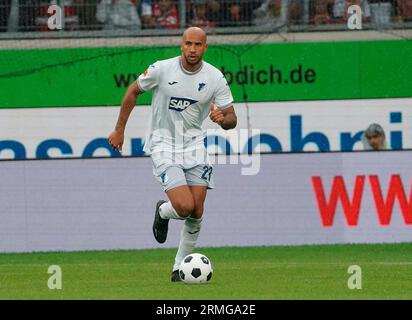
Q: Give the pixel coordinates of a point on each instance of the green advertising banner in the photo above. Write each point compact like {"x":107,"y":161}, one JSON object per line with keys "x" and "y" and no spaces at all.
{"x":263,"y":72}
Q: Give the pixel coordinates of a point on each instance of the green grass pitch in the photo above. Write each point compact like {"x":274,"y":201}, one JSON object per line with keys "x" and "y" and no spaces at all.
{"x":285,"y":272}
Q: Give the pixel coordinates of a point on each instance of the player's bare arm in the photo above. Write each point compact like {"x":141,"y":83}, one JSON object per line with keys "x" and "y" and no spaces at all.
{"x":116,"y":138}
{"x":226,"y":118}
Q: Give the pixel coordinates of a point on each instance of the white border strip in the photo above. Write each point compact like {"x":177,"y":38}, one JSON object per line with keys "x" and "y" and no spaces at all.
{"x":335,"y":36}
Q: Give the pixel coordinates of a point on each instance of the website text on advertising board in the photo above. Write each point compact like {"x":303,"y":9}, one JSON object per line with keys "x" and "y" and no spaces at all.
{"x":384,"y":201}
{"x":246,"y":75}
{"x":298,"y":142}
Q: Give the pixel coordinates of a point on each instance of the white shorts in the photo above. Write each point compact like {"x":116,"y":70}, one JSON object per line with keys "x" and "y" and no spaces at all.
{"x":175,"y":169}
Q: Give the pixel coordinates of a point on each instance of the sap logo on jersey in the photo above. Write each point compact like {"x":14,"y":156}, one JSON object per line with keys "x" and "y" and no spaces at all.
{"x":180,"y":104}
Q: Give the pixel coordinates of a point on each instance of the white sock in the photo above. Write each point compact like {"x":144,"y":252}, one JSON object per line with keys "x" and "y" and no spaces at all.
{"x":188,"y":238}
{"x":167,"y":211}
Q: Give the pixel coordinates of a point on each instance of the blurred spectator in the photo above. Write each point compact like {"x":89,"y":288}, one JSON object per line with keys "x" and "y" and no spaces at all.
{"x":118,"y":14}
{"x":165,"y":15}
{"x":215,"y":13}
{"x":340,"y":9}
{"x":295,"y":12}
{"x":27,"y":14}
{"x":146,"y":14}
{"x":71,"y":17}
{"x":405,"y":10}
{"x":233,"y":13}
{"x":4,"y":14}
{"x":321,"y":12}
{"x":247,"y":7}
{"x":268,"y":14}
{"x":381,"y":12}
{"x":86,"y":10}
{"x":199,"y":15}
{"x":374,"y":138}
{"x":239,"y":12}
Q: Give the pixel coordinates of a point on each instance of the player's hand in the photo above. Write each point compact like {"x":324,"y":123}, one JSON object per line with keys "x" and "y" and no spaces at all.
{"x":216,"y":115}
{"x":116,"y":139}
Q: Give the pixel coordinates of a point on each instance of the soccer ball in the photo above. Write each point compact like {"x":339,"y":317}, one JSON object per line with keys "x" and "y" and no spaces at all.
{"x":195,"y":268}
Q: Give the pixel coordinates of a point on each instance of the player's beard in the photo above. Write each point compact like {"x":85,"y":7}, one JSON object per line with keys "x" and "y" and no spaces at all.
{"x":191,"y":62}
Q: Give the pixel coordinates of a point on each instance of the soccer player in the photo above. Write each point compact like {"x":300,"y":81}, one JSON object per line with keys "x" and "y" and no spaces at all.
{"x":186,"y":89}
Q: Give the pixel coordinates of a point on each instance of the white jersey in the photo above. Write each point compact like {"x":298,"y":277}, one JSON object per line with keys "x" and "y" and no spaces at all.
{"x":181,"y":102}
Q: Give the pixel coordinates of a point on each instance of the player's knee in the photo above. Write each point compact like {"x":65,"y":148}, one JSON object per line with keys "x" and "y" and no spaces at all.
{"x":197,"y":212}
{"x":184,"y":208}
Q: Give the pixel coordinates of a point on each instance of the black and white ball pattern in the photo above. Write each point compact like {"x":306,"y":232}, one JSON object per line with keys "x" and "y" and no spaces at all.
{"x":196,"y":268}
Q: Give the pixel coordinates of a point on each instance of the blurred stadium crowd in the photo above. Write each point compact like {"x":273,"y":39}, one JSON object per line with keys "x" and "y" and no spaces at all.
{"x":32,"y":15}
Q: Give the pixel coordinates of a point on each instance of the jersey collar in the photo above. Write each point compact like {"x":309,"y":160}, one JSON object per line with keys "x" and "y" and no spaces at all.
{"x":188,"y":72}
